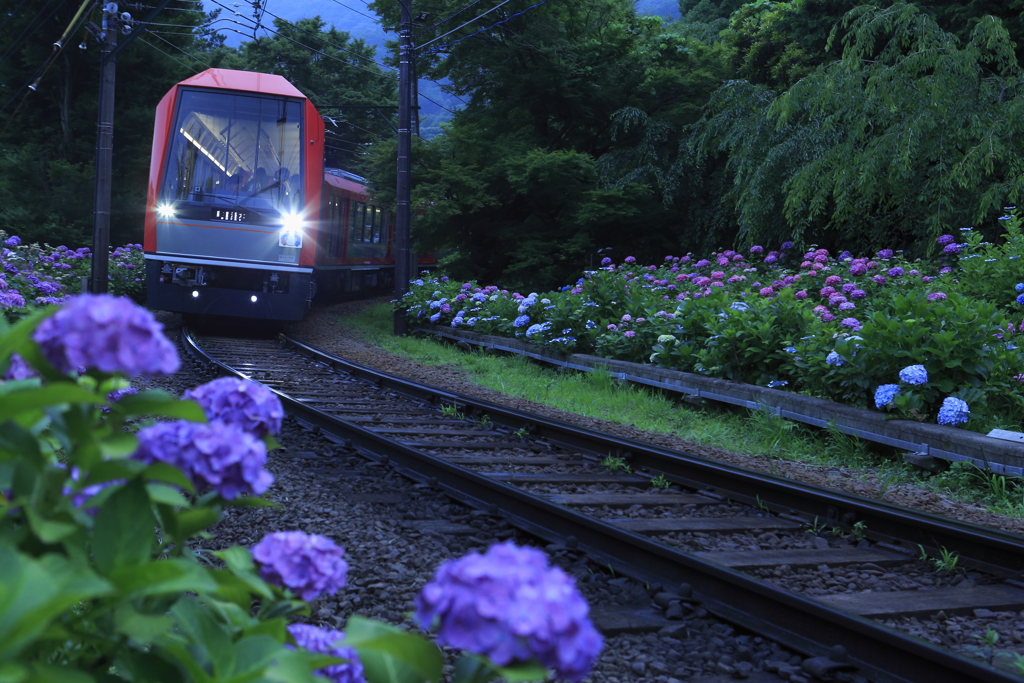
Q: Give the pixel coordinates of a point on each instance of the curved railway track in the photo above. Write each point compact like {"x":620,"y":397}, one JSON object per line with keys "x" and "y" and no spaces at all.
{"x":547,"y":478}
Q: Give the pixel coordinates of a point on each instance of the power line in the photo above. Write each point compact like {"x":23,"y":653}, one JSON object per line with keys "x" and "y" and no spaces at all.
{"x":497,"y":23}
{"x":356,"y":54}
{"x":178,"y":49}
{"x":23,"y":35}
{"x":187,"y":66}
{"x":356,"y":11}
{"x":451,"y":16}
{"x":463,"y":25}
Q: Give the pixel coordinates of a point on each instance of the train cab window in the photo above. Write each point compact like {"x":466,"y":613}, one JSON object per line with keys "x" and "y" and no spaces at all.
{"x":240,"y":154}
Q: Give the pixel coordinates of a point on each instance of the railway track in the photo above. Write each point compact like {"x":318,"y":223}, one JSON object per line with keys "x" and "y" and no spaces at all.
{"x":711,"y":534}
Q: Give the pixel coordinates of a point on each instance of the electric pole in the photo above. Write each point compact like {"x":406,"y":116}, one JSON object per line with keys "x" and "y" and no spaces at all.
{"x":402,"y":210}
{"x":104,"y":152}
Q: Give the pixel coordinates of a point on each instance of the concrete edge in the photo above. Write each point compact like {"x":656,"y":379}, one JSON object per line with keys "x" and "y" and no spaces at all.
{"x":947,"y":443}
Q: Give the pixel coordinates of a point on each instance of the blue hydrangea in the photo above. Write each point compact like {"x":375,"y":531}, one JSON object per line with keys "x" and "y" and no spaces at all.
{"x":834,"y":358}
{"x":1019,"y":287}
{"x":418,"y":283}
{"x":521,"y":321}
{"x":790,"y":349}
{"x":471,"y":322}
{"x":107,"y":333}
{"x":537,"y":329}
{"x":777,"y":383}
{"x":435,"y":304}
{"x":509,"y":605}
{"x":217,"y":455}
{"x":241,"y":402}
{"x":953,"y":412}
{"x":885,"y":394}
{"x":739,"y":306}
{"x":434,"y":318}
{"x":914,"y":374}
{"x":308,"y":565}
{"x":1020,"y":299}
{"x":326,"y":641}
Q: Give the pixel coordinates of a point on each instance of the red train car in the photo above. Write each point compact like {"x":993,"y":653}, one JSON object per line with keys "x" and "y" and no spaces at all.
{"x":242,"y":218}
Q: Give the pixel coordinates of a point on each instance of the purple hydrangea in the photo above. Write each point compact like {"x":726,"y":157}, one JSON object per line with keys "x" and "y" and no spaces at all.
{"x":241,"y":402}
{"x":858,"y":294}
{"x":86,"y":493}
{"x":885,"y":253}
{"x":937,"y":296}
{"x":12,"y":241}
{"x":879,"y":280}
{"x":108,"y":333}
{"x":914,"y":374}
{"x":953,"y":248}
{"x":953,"y":412}
{"x":606,"y":261}
{"x":308,"y":565}
{"x":946,"y":239}
{"x":11,"y":299}
{"x":756,"y":249}
{"x":216,"y":456}
{"x":786,"y":246}
{"x":19,"y":369}
{"x":630,"y":259}
{"x":851,"y":323}
{"x":510,"y":606}
{"x":325,"y":641}
{"x":885,"y":394}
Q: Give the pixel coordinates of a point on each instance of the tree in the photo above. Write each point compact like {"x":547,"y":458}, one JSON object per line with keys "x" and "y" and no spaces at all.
{"x":330,"y":69}
{"x":909,"y":135}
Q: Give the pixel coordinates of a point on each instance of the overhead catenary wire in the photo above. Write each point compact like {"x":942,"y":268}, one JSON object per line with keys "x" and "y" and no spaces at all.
{"x":26,"y":33}
{"x":479,"y":16}
{"x":497,"y":23}
{"x":187,"y":66}
{"x":176,"y":48}
{"x":356,"y":11}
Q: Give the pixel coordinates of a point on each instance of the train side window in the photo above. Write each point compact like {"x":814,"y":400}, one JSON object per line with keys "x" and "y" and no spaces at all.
{"x":377,"y":227}
{"x":343,"y":207}
{"x":355,"y":224}
{"x":368,"y":225}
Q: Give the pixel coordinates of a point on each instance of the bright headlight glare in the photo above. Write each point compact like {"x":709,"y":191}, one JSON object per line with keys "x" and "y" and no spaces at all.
{"x":165,"y":210}
{"x":292,"y":222}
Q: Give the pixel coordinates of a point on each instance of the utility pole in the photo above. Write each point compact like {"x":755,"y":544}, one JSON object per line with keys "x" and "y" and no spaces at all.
{"x":403,"y":214}
{"x":104,"y":152}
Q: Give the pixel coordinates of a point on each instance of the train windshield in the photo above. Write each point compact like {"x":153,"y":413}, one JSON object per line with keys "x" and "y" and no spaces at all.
{"x":237,"y":154}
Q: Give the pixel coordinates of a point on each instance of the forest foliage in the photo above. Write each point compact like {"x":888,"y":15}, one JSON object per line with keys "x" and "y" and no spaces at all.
{"x":588,"y":130}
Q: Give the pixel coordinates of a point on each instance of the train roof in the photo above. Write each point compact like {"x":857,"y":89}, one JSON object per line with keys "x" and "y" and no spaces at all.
{"x":344,"y":180}
{"x":249,"y":81}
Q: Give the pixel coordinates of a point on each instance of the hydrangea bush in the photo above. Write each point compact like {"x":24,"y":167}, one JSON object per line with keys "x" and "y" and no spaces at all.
{"x":99,"y":504}
{"x":39,"y":275}
{"x":837,"y":327}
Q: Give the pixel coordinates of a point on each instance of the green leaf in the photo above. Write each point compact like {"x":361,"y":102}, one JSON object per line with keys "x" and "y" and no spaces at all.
{"x":158,"y":403}
{"x":391,"y":654}
{"x":49,"y":531}
{"x":251,"y":502}
{"x":21,"y":402}
{"x":123,"y":535}
{"x":119,"y":446}
{"x":142,"y":628}
{"x":192,"y":521}
{"x":524,"y":671}
{"x":170,"y":474}
{"x":162,"y":577}
{"x":169,"y":495}
{"x":33,"y":592}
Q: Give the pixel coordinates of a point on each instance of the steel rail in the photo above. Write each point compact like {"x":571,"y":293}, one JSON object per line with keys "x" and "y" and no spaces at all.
{"x":995,"y":552}
{"x":802,"y":624}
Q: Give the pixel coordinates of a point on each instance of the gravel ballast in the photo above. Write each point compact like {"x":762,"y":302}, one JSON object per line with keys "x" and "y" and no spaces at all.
{"x":396,"y":533}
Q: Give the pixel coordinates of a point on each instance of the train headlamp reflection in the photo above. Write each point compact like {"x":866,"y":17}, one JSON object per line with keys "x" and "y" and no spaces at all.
{"x":165,"y":210}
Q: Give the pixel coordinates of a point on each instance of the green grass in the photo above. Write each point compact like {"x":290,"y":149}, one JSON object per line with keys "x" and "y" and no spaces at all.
{"x":598,"y":394}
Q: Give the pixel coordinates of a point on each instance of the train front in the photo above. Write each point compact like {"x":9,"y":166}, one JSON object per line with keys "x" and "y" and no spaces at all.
{"x":234,"y":196}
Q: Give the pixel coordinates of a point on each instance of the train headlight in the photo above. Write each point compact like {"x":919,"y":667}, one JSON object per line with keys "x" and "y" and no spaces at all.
{"x":291,"y":230}
{"x":165,"y":210}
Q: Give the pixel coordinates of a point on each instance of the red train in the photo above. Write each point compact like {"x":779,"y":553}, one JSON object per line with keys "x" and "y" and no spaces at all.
{"x":242,"y":218}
